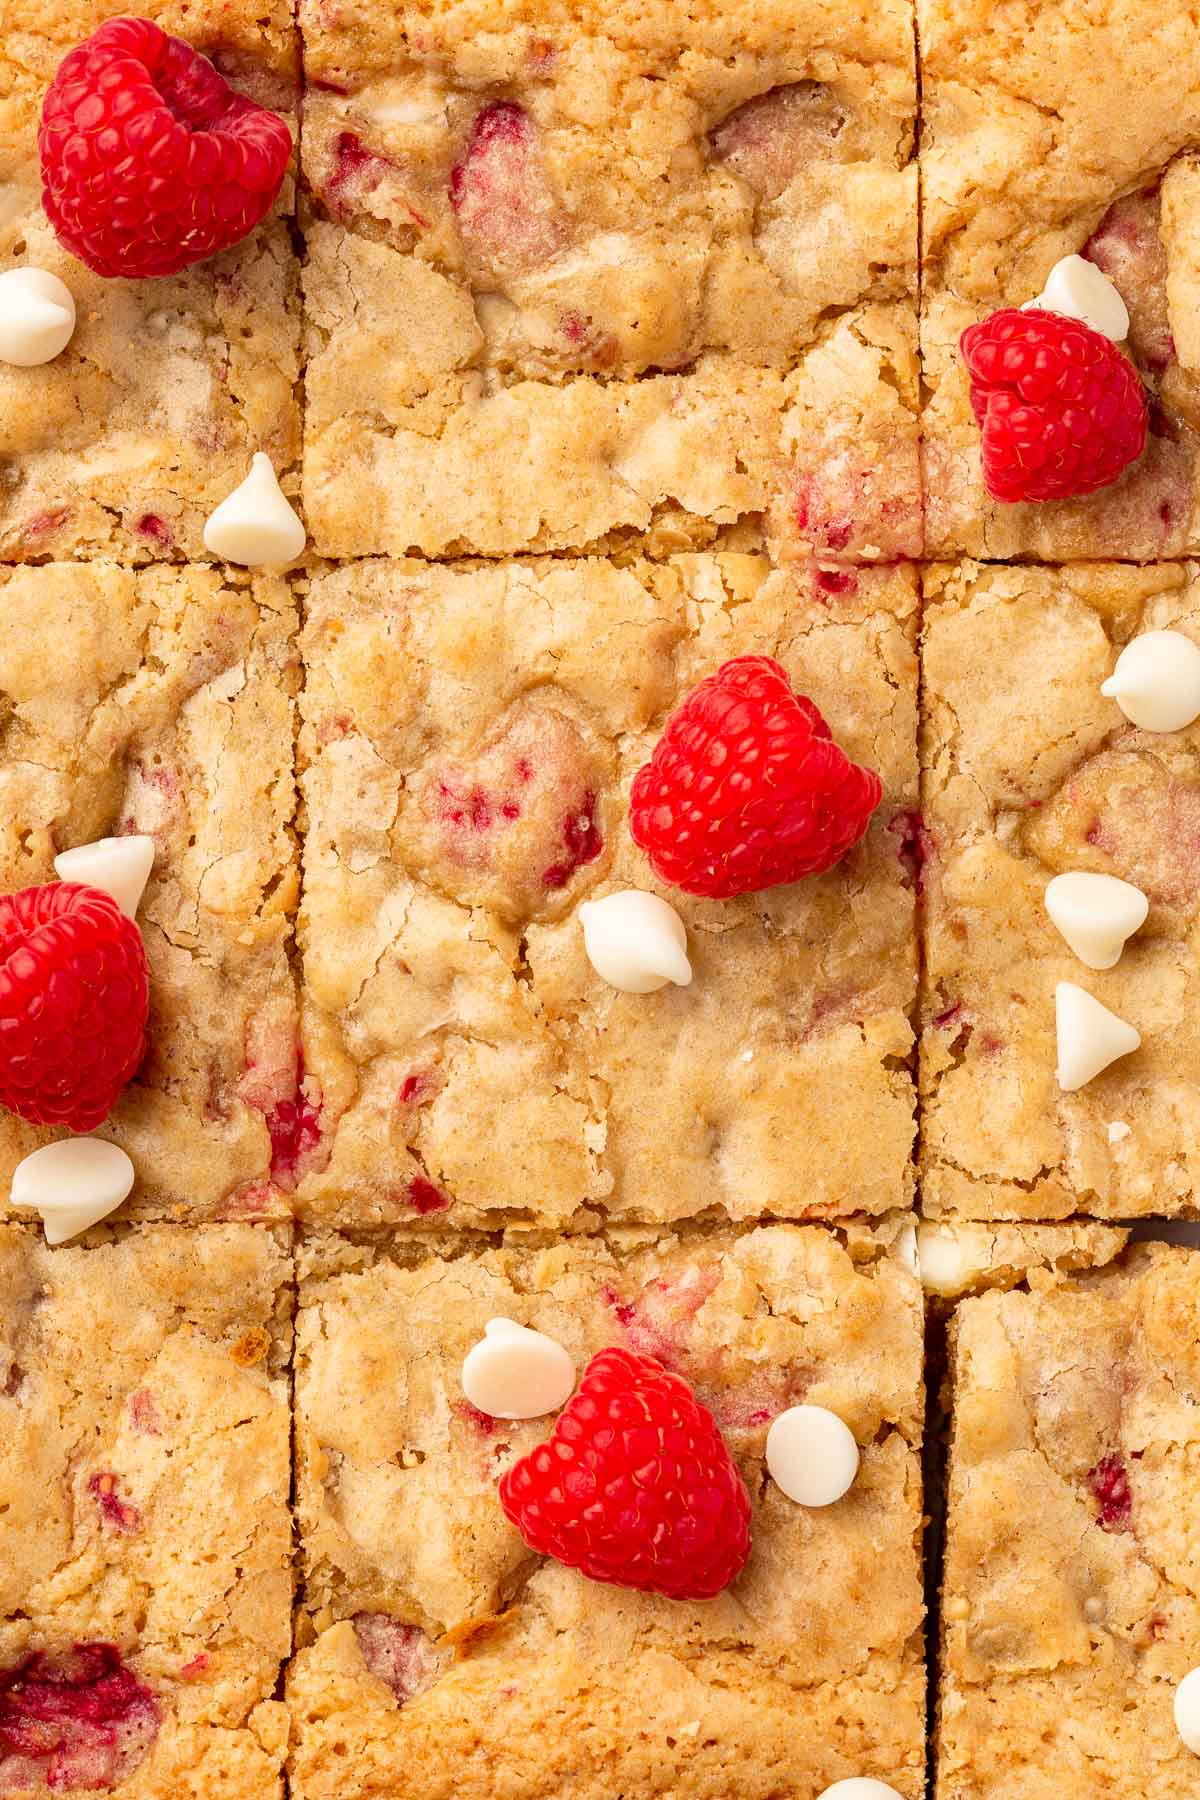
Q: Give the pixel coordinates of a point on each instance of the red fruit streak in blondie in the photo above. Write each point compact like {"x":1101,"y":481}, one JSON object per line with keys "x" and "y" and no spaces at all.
{"x":1109,"y":1482}
{"x":483,"y":1423}
{"x":151,"y":526}
{"x":583,"y":844}
{"x":119,"y":1513}
{"x":295,"y":1129}
{"x":42,"y":524}
{"x":354,"y":161}
{"x":82,"y":1717}
{"x":400,"y":1655}
{"x":144,"y":1413}
{"x":424,"y":1198}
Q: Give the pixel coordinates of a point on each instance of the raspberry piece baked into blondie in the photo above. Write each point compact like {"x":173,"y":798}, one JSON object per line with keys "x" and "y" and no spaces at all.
{"x":438,"y":1654}
{"x":1023,"y":164}
{"x":1031,"y":772}
{"x":124,"y":444}
{"x":468,"y":742}
{"x":572,"y":270}
{"x":1069,"y":1611}
{"x":145,"y":1541}
{"x":159,"y":701}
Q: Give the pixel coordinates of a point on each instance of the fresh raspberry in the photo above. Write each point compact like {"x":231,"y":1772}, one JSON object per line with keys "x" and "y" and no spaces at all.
{"x":746,"y":788}
{"x":1062,"y":411}
{"x":150,"y":161}
{"x":73,"y":1004}
{"x":634,"y":1485}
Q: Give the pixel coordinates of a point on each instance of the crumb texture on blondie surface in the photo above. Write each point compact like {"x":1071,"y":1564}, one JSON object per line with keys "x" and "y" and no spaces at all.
{"x":145,"y":1539}
{"x":468,"y":740}
{"x":571,"y":266}
{"x":161,"y":701}
{"x":124,"y":444}
{"x":1069,"y":1610}
{"x":1030,"y":771}
{"x":965,"y":1256}
{"x":1050,"y":128}
{"x":439,"y":1652}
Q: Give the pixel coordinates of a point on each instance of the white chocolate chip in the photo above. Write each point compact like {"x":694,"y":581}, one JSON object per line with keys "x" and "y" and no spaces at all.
{"x":906,"y":1249}
{"x":811,"y":1455}
{"x":255,"y":525}
{"x":515,"y":1373}
{"x":1096,"y":913}
{"x":1187,"y":1710}
{"x":1089,"y":1036}
{"x":73,"y":1184}
{"x":860,"y":1787}
{"x":1118,"y":1129}
{"x":37,"y":317}
{"x":944,"y":1257}
{"x":119,"y":865}
{"x":1156,"y":681}
{"x":1077,"y":289}
{"x":635,"y":941}
{"x":408,"y":112}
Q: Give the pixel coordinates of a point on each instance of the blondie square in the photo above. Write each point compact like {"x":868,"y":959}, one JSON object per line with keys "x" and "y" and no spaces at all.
{"x":439,"y":1656}
{"x":1069,"y":1610}
{"x":1050,"y":128}
{"x":160,"y":701}
{"x":578,"y":268}
{"x":1029,"y":771}
{"x":124,"y":444}
{"x":468,"y":740}
{"x":145,"y":1540}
